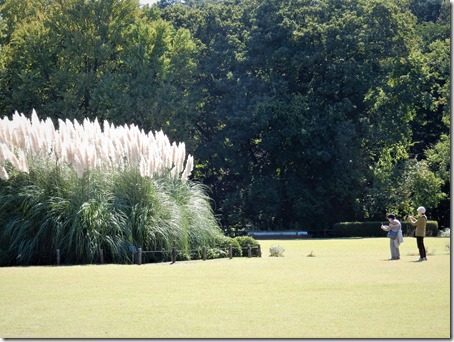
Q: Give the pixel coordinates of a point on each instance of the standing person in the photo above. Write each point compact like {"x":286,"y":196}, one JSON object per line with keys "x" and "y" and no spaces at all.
{"x":395,"y":226}
{"x":420,"y":232}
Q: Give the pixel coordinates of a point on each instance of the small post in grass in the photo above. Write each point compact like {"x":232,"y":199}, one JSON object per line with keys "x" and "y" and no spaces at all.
{"x":230,"y":251}
{"x":58,"y":257}
{"x":204,"y":253}
{"x":259,"y":251}
{"x":249,"y":250}
{"x":101,"y":256}
{"x":140,"y":256}
{"x":174,"y":255}
{"x":133,"y":251}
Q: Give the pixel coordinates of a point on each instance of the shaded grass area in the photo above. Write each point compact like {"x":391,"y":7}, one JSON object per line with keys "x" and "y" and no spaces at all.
{"x":347,"y":289}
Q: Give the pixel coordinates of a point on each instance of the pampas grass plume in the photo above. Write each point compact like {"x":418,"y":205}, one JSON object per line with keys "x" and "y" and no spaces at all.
{"x":87,"y":146}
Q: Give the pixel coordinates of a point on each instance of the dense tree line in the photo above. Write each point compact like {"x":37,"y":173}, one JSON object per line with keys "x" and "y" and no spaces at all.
{"x":300,"y":113}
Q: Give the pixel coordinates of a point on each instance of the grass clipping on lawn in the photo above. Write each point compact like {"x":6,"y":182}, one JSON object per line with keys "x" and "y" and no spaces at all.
{"x":347,"y":290}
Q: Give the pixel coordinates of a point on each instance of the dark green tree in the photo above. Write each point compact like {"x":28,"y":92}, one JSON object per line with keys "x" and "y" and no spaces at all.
{"x":300,"y":113}
{"x":103,"y":59}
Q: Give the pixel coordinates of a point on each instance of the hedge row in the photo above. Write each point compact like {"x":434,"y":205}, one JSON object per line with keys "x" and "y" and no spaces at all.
{"x":372,"y":229}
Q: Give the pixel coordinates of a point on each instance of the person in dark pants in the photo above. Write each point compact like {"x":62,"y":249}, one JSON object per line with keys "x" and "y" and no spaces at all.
{"x":420,"y":232}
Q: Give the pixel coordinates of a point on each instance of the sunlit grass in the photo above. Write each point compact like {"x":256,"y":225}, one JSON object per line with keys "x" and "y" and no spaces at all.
{"x":347,"y":289}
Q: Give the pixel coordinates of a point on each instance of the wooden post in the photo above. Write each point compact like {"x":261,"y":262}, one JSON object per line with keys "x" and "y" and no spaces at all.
{"x":249,"y":250}
{"x":204,"y":252}
{"x":58,"y":257}
{"x":174,"y":255}
{"x":140,"y":256}
{"x":101,"y":255}
{"x":133,"y":251}
{"x":260,"y":251}
{"x":230,"y":251}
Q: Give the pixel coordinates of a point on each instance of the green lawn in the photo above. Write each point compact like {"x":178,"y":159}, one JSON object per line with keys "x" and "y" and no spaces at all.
{"x":348,"y":289}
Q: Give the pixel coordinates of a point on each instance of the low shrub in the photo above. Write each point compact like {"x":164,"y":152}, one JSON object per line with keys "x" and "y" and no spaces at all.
{"x":244,"y":241}
{"x":216,"y":253}
{"x":363,"y":229}
{"x":224,"y":242}
{"x":277,"y":251}
{"x":445,"y":233}
{"x":431,"y":228}
{"x":220,"y":248}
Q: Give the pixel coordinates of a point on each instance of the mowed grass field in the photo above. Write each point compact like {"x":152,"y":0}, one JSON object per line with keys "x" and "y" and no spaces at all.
{"x":346,"y":289}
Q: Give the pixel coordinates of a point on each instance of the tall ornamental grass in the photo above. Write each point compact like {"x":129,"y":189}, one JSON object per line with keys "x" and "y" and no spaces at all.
{"x":82,"y":189}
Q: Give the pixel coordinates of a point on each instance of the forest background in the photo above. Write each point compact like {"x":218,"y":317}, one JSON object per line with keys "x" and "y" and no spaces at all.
{"x":299,"y":113}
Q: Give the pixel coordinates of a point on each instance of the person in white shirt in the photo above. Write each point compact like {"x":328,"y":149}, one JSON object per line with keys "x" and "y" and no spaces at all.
{"x":395,"y":226}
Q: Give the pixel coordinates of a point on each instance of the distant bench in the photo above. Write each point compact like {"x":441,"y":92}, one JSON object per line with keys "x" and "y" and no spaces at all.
{"x":280,"y":235}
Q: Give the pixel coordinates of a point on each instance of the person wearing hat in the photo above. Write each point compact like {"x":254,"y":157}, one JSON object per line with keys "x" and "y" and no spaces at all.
{"x":420,"y":232}
{"x":394,"y":225}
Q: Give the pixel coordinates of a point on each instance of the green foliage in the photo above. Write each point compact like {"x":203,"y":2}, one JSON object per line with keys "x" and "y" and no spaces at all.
{"x":403,"y":187}
{"x":245,"y":242}
{"x":99,"y":58}
{"x":299,"y":112}
{"x":439,"y":158}
{"x":307,"y":109}
{"x":216,"y":253}
{"x":51,"y":208}
{"x":223,"y":243}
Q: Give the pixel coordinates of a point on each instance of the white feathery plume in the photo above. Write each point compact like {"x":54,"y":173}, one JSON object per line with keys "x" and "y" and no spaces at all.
{"x":50,"y":130}
{"x":64,"y":155}
{"x":3,"y":173}
{"x":188,"y":169}
{"x":78,"y":166}
{"x":112,"y":153}
{"x":143,"y":167}
{"x":69,"y":128}
{"x":3,"y":130}
{"x":173,"y":172}
{"x":181,"y":155}
{"x":93,"y":157}
{"x":13,"y":160}
{"x":20,"y":129}
{"x":173,"y":152}
{"x":33,"y":139}
{"x":134,"y":149}
{"x":57,"y":149}
{"x":34,"y":119}
{"x":99,"y":147}
{"x":77,"y":126}
{"x":70,"y":156}
{"x":23,"y":164}
{"x":17,"y":138}
{"x":107,"y":129}
{"x":152,"y":160}
{"x":87,"y":146}
{"x":2,"y":156}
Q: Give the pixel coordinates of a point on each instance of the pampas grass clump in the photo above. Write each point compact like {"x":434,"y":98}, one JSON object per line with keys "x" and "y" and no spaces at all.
{"x":277,"y":251}
{"x":82,"y":189}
